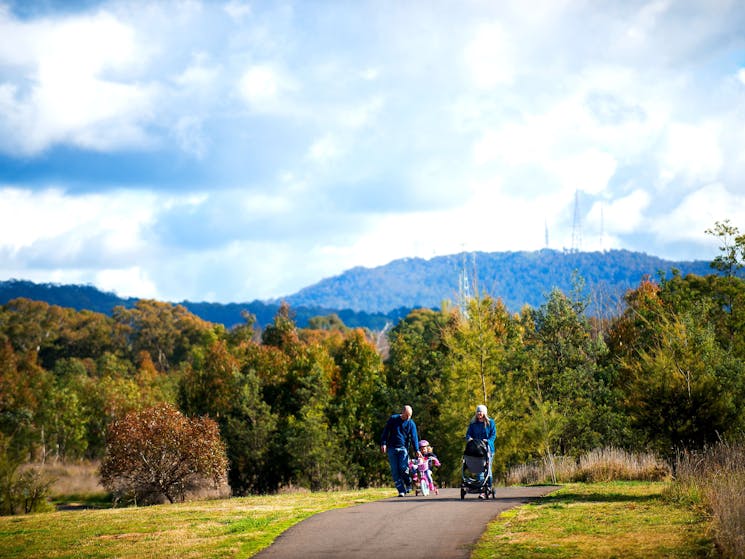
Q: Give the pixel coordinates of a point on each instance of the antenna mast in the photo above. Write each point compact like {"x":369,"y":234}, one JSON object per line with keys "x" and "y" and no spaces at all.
{"x":464,"y":289}
{"x":576,"y":225}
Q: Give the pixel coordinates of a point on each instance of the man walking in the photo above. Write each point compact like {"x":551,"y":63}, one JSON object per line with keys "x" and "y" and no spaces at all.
{"x":398,"y":434}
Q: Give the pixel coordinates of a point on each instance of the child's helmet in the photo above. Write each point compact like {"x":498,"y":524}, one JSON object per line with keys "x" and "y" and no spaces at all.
{"x":423,"y":443}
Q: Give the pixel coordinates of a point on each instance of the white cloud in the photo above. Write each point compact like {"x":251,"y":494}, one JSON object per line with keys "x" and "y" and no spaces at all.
{"x":626,"y":215}
{"x":324,"y":150}
{"x":588,"y":171}
{"x":691,"y":152}
{"x":199,"y":74}
{"x":237,"y":9}
{"x":489,"y":56}
{"x":698,"y":211}
{"x":263,"y":86}
{"x":73,"y":94}
{"x":127,"y":282}
{"x":65,"y":226}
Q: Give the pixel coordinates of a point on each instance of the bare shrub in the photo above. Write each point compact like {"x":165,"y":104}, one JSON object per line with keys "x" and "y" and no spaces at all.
{"x":158,"y":453}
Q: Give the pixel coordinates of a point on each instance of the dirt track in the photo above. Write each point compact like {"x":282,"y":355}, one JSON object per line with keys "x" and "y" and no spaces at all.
{"x":432,"y":527}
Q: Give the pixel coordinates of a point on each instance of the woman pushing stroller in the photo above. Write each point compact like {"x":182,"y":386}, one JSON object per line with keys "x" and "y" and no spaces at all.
{"x":483,"y":428}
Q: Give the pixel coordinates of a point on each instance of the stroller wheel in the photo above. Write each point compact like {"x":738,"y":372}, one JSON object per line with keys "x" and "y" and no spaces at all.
{"x":462,"y":493}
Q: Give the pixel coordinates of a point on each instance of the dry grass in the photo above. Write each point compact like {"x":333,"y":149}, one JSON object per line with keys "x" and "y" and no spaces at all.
{"x":80,"y":478}
{"x":715,"y":479}
{"x":605,"y":464}
{"x":78,"y":484}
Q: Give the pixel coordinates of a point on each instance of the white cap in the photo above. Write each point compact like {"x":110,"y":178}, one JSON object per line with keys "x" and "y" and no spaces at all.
{"x":481,"y":408}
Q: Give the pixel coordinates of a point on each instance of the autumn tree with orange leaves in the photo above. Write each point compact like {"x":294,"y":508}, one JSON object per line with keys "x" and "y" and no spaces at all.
{"x":159,"y":452}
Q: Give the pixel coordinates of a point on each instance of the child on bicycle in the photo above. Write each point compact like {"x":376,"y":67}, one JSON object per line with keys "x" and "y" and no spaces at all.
{"x":426,"y":449}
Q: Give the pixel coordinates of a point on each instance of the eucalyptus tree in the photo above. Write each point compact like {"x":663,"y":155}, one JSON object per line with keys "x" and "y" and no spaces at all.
{"x":482,"y":366}
{"x":357,"y":388}
{"x":415,"y":370}
{"x":568,"y":379}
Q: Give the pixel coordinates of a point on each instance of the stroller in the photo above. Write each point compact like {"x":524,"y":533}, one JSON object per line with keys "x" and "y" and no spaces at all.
{"x":475,"y":476}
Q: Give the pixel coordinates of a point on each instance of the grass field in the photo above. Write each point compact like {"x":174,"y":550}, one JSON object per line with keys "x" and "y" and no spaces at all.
{"x":614,"y":519}
{"x":600,"y":520}
{"x":225,"y":528}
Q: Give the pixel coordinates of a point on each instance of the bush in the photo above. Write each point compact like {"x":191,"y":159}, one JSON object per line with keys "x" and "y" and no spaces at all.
{"x":715,"y":479}
{"x":604,"y":464}
{"x":22,"y":491}
{"x":159,"y":453}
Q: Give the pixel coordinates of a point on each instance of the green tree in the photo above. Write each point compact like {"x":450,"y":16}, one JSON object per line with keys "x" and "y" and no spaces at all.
{"x":568,"y":372}
{"x":357,"y":386}
{"x":62,"y":424}
{"x":223,"y":383}
{"x":309,"y":446}
{"x":482,"y":366}
{"x":732,"y":257}
{"x":682,"y":388}
{"x":165,"y":331}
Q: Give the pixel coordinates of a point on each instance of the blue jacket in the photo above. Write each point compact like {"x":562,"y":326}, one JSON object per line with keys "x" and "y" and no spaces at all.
{"x":477,"y":430}
{"x":397,"y":433}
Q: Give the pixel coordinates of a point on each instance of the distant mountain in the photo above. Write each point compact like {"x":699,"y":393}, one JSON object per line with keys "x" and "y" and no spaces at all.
{"x":518,"y":278}
{"x":374,"y":297}
{"x":87,"y":297}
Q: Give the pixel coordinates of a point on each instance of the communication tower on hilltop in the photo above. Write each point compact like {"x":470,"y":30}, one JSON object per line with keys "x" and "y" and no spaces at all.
{"x":464,"y":289}
{"x":576,"y":225}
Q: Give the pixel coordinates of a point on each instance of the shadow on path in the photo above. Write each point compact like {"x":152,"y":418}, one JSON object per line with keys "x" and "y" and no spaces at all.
{"x":436,"y":526}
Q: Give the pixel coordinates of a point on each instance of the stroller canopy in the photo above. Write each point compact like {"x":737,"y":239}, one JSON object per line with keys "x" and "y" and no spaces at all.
{"x":476,"y":448}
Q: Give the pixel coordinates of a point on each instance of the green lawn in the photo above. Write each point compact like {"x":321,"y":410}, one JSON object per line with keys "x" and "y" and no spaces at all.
{"x":228,"y":528}
{"x":620,"y":519}
{"x":615,"y":519}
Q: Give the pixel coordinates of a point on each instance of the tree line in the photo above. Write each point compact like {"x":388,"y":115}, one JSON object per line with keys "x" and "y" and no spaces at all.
{"x":305,"y":406}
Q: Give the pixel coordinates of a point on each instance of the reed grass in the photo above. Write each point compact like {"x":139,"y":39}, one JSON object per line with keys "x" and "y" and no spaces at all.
{"x":603,"y":464}
{"x":714,"y":479}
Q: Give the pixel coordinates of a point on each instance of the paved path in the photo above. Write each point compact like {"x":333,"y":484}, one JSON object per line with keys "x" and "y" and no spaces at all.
{"x":432,"y":527}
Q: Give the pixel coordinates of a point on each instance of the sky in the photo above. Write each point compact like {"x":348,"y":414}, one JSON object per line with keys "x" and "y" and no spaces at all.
{"x":229,"y":151}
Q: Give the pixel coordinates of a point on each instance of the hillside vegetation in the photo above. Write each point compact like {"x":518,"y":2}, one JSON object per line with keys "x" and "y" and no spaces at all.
{"x":517,"y":278}
{"x":375,"y":297}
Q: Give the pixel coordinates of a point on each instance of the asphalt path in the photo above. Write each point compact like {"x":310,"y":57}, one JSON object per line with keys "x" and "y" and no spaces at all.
{"x":434,"y":527}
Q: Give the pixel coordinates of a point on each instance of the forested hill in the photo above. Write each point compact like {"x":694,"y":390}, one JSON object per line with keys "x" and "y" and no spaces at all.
{"x":372,"y":297}
{"x":87,"y":297}
{"x":518,"y":278}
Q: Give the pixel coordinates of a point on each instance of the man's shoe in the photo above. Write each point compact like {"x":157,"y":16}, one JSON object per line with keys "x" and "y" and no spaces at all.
{"x":402,"y":494}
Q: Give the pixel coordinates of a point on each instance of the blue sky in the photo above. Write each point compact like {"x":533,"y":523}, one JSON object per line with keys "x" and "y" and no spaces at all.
{"x":232,"y":151}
